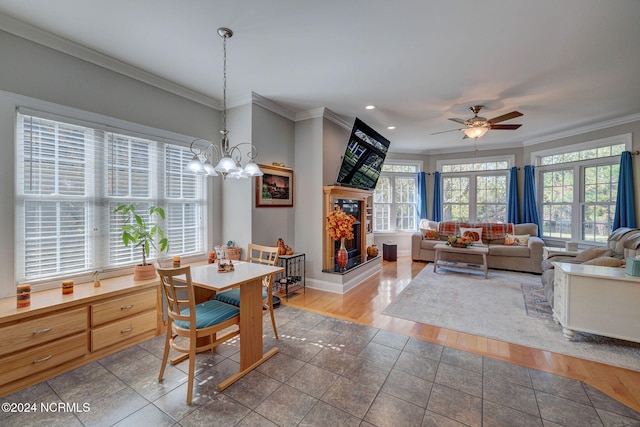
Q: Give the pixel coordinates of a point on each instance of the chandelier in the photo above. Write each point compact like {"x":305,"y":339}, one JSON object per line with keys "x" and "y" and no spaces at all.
{"x":228,"y":159}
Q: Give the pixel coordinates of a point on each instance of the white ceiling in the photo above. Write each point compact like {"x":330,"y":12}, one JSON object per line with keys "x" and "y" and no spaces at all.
{"x":566,"y":65}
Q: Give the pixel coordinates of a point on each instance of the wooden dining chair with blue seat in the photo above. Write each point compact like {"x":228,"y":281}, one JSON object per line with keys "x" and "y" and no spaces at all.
{"x":199,"y":323}
{"x":267,"y":255}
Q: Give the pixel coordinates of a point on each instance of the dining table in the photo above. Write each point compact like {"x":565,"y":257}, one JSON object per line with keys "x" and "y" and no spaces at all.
{"x":248,"y":277}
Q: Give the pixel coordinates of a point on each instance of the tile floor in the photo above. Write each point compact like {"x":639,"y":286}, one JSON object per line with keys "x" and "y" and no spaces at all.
{"x":328,"y":372}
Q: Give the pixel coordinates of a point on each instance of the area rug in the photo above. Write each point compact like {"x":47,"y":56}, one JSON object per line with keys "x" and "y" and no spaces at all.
{"x":535,"y":303}
{"x":496,"y":308}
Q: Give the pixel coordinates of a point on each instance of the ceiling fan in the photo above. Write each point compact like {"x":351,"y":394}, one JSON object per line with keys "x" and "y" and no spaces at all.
{"x":477,"y":126}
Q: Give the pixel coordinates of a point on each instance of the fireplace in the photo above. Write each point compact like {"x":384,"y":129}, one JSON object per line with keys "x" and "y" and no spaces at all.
{"x":354,"y":246}
{"x":352,"y":201}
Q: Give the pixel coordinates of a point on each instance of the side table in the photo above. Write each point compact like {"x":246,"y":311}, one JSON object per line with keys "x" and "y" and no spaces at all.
{"x":389,"y":251}
{"x":294,"y":276}
{"x":598,"y":300}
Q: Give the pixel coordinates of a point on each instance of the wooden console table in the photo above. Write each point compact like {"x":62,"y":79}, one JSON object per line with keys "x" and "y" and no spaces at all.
{"x":57,"y":333}
{"x":597,"y":300}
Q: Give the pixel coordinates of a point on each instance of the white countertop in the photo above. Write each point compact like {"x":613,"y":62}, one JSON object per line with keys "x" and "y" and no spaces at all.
{"x":609,"y":273}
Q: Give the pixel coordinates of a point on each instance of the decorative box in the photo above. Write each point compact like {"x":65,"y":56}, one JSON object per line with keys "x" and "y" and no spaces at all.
{"x":571,"y":246}
{"x":633,"y":267}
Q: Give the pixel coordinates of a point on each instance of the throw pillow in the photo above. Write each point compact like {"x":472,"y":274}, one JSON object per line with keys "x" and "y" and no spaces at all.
{"x":474,"y":234}
{"x":516,"y":239}
{"x":431,"y":235}
{"x":593,"y":252}
{"x":605,"y":261}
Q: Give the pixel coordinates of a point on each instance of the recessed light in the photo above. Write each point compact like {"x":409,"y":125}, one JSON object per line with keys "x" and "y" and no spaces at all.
{"x":370,"y":107}
{"x":391,"y":127}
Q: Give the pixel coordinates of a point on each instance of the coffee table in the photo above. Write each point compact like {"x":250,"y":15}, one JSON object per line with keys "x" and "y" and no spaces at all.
{"x":476,"y":250}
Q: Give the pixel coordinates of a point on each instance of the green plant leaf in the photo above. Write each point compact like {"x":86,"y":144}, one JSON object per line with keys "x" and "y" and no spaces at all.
{"x":164,"y":244}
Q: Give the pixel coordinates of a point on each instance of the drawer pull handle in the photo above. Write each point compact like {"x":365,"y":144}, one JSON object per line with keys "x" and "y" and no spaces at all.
{"x":41,"y":331}
{"x":126,"y":307}
{"x":44,"y":359}
{"x":126,"y":331}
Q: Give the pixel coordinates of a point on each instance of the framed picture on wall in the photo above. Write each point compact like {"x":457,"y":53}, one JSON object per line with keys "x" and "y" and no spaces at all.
{"x":275,"y":187}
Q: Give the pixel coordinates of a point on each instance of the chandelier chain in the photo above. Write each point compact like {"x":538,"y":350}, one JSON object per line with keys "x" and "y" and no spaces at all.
{"x":224,"y":83}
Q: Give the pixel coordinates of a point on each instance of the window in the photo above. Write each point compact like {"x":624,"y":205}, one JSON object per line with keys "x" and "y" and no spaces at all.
{"x":475,"y":190}
{"x":578,"y":188}
{"x":395,"y":198}
{"x":582,"y":194}
{"x":71,"y":178}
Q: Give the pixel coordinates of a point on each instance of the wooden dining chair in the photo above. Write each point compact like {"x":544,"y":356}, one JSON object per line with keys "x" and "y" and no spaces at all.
{"x":199,"y":323}
{"x":267,"y":255}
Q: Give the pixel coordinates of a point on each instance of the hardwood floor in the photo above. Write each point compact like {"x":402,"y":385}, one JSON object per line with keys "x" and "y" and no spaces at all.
{"x":365,"y":304}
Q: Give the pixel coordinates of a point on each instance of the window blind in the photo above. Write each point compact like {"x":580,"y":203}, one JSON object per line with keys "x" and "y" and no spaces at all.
{"x":70,"y":178}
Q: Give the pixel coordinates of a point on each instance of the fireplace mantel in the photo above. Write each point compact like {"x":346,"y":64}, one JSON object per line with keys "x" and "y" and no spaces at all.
{"x":333,"y":193}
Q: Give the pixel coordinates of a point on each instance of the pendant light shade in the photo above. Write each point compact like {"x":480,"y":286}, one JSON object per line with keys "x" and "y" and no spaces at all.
{"x":226,"y":165}
{"x":252,"y":169}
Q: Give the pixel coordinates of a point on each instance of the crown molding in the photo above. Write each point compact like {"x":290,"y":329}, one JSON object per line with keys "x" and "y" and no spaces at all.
{"x":310,"y":114}
{"x":477,"y":146}
{"x":272,"y":106}
{"x":324,"y":113}
{"x":61,"y":44}
{"x":583,"y":129}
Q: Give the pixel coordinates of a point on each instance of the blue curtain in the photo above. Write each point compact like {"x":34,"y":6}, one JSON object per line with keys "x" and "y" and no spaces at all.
{"x":422,"y":195}
{"x":625,"y":215}
{"x":513,"y":202}
{"x":436,"y":209}
{"x":529,"y":205}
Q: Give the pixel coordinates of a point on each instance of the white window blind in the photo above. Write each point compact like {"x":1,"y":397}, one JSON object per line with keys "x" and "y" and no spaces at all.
{"x":70,"y":178}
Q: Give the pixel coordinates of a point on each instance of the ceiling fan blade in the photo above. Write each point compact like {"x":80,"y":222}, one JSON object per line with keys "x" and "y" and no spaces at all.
{"x":505,"y":127}
{"x":463,"y":122}
{"x":508,"y":116}
{"x":444,"y":131}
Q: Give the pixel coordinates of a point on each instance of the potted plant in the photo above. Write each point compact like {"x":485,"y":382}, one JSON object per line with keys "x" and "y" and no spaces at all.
{"x":140,"y":233}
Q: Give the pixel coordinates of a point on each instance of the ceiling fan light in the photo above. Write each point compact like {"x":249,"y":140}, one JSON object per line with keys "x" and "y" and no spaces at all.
{"x":476,"y":132}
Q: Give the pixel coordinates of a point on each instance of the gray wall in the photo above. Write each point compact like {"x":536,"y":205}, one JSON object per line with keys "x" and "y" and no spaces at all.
{"x":308,"y":193}
{"x":236,"y":193}
{"x":274,"y":135}
{"x":31,"y":70}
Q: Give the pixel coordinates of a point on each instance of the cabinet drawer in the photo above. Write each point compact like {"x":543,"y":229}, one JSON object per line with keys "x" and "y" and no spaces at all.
{"x":122,"y":330}
{"x":42,"y":329}
{"x":34,"y":360}
{"x":127,"y":305}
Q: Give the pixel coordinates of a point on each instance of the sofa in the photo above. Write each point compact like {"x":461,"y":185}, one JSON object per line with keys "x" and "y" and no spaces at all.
{"x":525,"y":257}
{"x":623,"y":243}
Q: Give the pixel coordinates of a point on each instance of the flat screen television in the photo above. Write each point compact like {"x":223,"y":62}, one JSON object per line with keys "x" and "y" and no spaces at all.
{"x":362,"y":161}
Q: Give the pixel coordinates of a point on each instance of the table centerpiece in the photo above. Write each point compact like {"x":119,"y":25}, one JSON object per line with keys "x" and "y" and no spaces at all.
{"x":457,"y":241}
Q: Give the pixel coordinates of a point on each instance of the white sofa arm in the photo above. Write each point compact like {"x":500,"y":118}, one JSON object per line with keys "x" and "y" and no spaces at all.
{"x":416,"y":239}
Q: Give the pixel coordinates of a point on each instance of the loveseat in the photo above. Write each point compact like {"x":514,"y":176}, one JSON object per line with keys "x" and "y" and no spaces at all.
{"x":523,"y":254}
{"x":623,"y":243}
